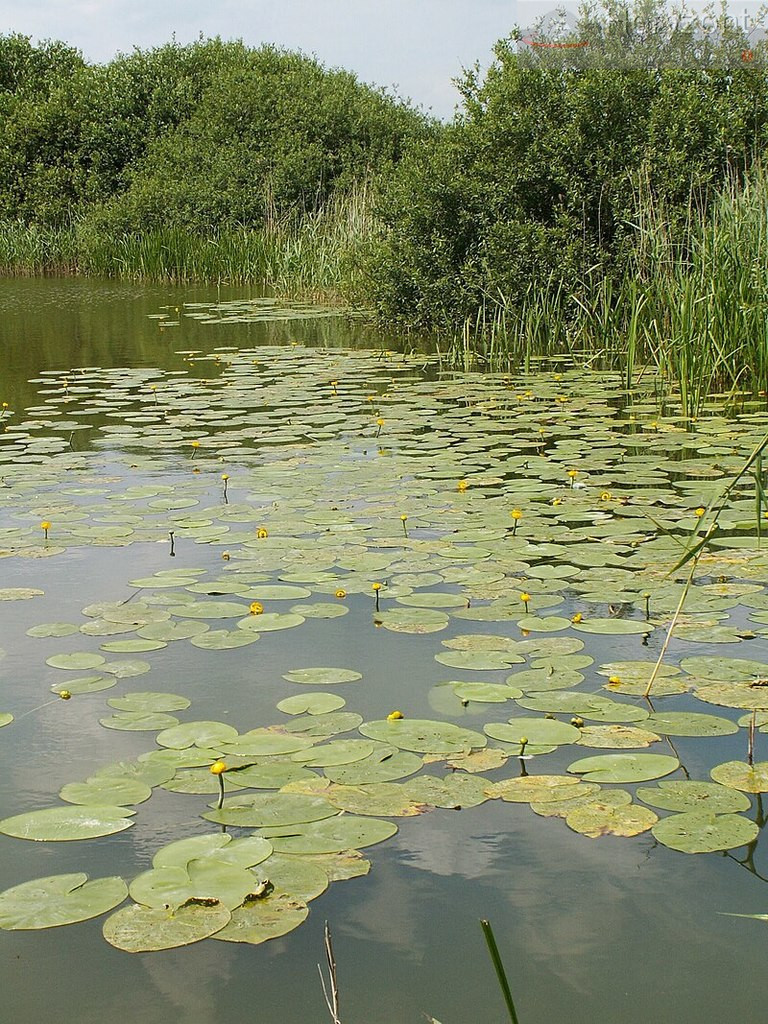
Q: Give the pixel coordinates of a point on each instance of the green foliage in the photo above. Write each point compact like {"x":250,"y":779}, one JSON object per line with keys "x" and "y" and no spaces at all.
{"x":201,"y":137}
{"x":536,"y":182}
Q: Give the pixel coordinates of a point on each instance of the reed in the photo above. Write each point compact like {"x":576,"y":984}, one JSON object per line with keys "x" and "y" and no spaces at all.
{"x":692,"y":304}
{"x":315,"y":255}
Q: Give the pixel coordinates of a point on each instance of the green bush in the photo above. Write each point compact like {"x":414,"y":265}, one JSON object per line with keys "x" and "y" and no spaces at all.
{"x":537,"y":180}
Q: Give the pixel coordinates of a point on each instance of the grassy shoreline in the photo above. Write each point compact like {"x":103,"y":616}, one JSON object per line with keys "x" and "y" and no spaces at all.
{"x":316,"y":257}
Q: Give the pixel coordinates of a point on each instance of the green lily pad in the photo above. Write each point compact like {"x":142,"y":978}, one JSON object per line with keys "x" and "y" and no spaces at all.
{"x":182,"y":851}
{"x":386,"y":799}
{"x":322,"y":676}
{"x":56,"y":629}
{"x":270,"y":621}
{"x":59,"y":824}
{"x":616,"y":736}
{"x":386,"y":764}
{"x":597,"y":819}
{"x":689,"y":723}
{"x":199,"y":734}
{"x":78,"y":660}
{"x":138,"y":721}
{"x":486,"y":693}
{"x":138,"y":929}
{"x":624,"y":767}
{"x":311,"y":704}
{"x":5,"y":718}
{"x":698,"y":832}
{"x":423,"y":736}
{"x":413,"y":620}
{"x":612,"y":627}
{"x":335,"y":753}
{"x":320,"y":610}
{"x":478,"y":661}
{"x":85,"y":684}
{"x":224,"y":639}
{"x":262,"y":810}
{"x":537,"y":731}
{"x":692,"y":795}
{"x":543,"y":624}
{"x":117,"y":791}
{"x":344,"y":832}
{"x":58,"y":900}
{"x":270,"y":776}
{"x":722,"y":669}
{"x":207,"y":878}
{"x":149,"y":701}
{"x":263,"y":919}
{"x":453,"y":791}
{"x":294,"y":876}
{"x":182,"y":629}
{"x":209,"y":610}
{"x":265,"y":743}
{"x":742,"y":776}
{"x":530,"y":788}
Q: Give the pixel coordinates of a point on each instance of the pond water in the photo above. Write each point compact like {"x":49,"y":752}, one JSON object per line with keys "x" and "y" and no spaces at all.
{"x":237,"y":491}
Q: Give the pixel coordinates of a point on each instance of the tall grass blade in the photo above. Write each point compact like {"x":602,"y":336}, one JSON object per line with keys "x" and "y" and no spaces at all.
{"x":493,"y":949}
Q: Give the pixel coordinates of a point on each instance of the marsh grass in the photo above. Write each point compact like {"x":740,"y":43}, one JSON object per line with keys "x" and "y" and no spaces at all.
{"x":692,"y":306}
{"x":314,"y":255}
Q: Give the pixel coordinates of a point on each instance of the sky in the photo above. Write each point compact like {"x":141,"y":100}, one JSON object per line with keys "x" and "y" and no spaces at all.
{"x":414,"y":46}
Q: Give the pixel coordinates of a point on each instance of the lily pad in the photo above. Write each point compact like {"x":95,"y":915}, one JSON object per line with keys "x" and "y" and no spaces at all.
{"x":537,"y":731}
{"x":77,"y":660}
{"x":58,"y":900}
{"x":263,"y":810}
{"x":689,"y":723}
{"x":344,"y":832}
{"x":692,"y":795}
{"x":624,"y":767}
{"x":698,"y":832}
{"x":322,"y":676}
{"x":139,"y":929}
{"x":424,"y":736}
{"x":595,"y":819}
{"x":199,"y":734}
{"x":742,"y":776}
{"x":386,"y":799}
{"x":311,"y":704}
{"x":101,"y":790}
{"x":149,"y":701}
{"x":263,"y":919}
{"x":60,"y":824}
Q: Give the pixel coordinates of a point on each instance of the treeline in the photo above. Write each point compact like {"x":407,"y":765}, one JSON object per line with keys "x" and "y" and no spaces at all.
{"x":202,"y":137}
{"x":567,"y":162}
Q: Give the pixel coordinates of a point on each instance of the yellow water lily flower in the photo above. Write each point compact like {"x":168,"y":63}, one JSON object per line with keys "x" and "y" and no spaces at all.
{"x":255,"y":608}
{"x":462,"y":485}
{"x":341,"y":593}
{"x":218,"y":767}
{"x":376,"y":586}
{"x":516,"y":513}
{"x":699,"y":511}
{"x":393,"y":716}
{"x":525,"y":597}
{"x":577,"y":617}
{"x":261,"y":533}
{"x":65,"y":694}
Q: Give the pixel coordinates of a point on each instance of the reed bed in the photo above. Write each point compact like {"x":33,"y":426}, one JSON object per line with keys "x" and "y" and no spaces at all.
{"x":692,"y":304}
{"x":313,"y":256}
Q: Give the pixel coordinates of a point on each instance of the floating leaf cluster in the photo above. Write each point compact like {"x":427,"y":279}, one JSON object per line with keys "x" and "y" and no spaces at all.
{"x":530,"y":536}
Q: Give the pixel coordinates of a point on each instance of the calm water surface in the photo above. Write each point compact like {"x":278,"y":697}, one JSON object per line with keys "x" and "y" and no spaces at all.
{"x":592,"y":931}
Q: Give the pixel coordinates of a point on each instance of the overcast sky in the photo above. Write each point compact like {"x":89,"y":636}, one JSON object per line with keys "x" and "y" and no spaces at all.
{"x":417,"y":46}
